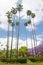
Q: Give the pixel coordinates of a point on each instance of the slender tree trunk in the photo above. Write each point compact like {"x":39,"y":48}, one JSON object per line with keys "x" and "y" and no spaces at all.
{"x":35,"y":39}
{"x":17,"y":41}
{"x":26,"y":37}
{"x":11,"y":42}
{"x":7,"y":42}
{"x":26,"y":42}
{"x":36,"y":43}
{"x":18,"y":34}
{"x":32,"y":37}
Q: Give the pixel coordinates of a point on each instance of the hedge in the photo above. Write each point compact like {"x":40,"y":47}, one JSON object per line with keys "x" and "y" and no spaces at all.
{"x":14,"y":60}
{"x":36,"y":59}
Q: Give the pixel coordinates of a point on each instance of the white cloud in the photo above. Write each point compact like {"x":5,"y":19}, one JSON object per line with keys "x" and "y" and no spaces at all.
{"x":33,"y":5}
{"x":3,"y":42}
{"x":5,"y":5}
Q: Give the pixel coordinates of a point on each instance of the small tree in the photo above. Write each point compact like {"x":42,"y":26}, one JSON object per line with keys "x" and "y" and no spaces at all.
{"x":23,"y":51}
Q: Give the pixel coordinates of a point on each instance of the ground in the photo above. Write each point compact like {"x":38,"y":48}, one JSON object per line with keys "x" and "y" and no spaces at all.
{"x":29,"y":63}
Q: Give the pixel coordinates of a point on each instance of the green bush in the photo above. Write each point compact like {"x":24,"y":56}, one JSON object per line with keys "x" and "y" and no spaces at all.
{"x":36,"y":59}
{"x":14,"y":60}
{"x":8,"y":60}
{"x":33,"y":59}
{"x":3,"y":60}
{"x":40,"y":59}
{"x":21,"y":60}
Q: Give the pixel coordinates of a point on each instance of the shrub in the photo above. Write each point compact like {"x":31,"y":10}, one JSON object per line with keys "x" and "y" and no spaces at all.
{"x":3,"y":60}
{"x":36,"y":59}
{"x":33,"y":59}
{"x":40,"y":59}
{"x":8,"y":60}
{"x":21,"y":60}
{"x":14,"y":60}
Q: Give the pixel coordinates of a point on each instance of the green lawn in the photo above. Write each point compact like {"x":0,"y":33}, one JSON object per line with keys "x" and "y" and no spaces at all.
{"x":29,"y":63}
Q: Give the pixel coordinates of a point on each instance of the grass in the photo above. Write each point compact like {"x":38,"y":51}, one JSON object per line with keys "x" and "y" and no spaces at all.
{"x":29,"y":63}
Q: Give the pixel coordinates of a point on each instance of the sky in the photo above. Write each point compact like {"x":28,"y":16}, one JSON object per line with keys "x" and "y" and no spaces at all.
{"x":36,"y":6}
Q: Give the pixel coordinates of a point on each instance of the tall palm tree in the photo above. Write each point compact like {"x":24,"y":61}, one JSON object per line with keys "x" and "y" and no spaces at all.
{"x":29,"y":22}
{"x":34,"y":33}
{"x":13,"y":11}
{"x":19,"y":9}
{"x":8,"y":14}
{"x":25,"y":24}
{"x":17,"y":24}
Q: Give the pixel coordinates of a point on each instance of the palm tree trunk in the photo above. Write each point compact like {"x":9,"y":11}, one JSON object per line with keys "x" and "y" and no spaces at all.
{"x":11,"y":42}
{"x":17,"y":41}
{"x":35,"y":40}
{"x":18,"y":35}
{"x":36,"y":43}
{"x":32,"y":37}
{"x":7,"y":42}
{"x":26,"y":37}
{"x":26,"y":42}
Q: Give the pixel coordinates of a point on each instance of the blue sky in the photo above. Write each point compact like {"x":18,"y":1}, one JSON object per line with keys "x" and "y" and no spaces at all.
{"x":35,"y":6}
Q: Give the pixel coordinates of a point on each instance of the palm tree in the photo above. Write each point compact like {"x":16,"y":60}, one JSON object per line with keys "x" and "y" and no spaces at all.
{"x":17,"y":24}
{"x":34,"y":33}
{"x":8,"y":14}
{"x":29,"y":22}
{"x":25,"y":24}
{"x":13,"y":11}
{"x":19,"y":9}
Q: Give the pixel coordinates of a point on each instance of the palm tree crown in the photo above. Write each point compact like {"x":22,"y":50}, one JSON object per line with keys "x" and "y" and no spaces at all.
{"x":29,"y":22}
{"x":13,"y":10}
{"x":25,"y":24}
{"x":19,"y":7}
{"x":32,"y":15}
{"x":28,"y":12}
{"x":8,"y":14}
{"x":17,"y":23}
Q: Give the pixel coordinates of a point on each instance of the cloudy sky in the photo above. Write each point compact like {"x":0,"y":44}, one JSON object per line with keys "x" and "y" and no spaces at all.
{"x":35,"y":6}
